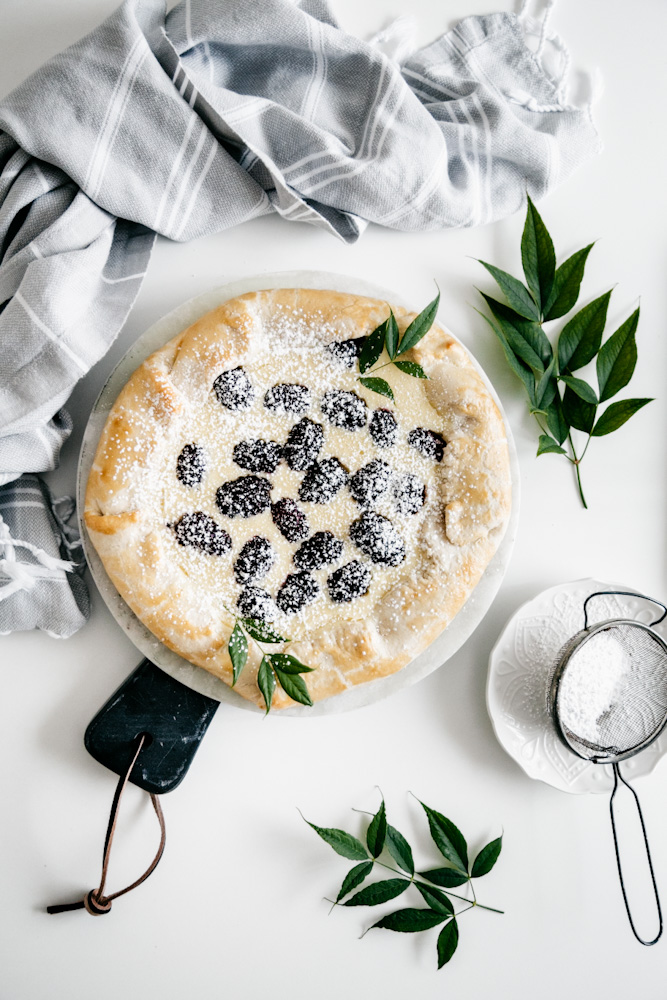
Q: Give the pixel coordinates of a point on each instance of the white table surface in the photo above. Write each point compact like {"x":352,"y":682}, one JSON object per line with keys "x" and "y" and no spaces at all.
{"x":236,"y":907}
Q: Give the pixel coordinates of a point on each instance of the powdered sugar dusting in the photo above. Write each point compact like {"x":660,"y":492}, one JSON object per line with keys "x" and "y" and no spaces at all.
{"x":297,"y":357}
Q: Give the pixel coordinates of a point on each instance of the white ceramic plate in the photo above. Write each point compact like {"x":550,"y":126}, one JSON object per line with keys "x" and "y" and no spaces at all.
{"x":520,"y":669}
{"x":437,"y":653}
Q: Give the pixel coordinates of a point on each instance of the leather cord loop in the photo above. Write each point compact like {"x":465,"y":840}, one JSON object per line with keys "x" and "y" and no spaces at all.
{"x":96,"y":902}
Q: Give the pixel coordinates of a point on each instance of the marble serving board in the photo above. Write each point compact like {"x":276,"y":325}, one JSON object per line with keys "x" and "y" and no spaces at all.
{"x":441,"y":650}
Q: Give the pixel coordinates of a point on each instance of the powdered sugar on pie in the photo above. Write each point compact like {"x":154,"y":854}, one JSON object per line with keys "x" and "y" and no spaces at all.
{"x":244,"y":469}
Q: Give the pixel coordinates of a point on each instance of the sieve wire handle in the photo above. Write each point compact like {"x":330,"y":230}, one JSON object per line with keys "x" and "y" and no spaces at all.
{"x":625,"y":593}
{"x":619,"y":777}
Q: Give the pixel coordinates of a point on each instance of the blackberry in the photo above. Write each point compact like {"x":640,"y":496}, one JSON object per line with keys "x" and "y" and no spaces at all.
{"x":297,"y":590}
{"x":303,"y":444}
{"x":344,"y":409}
{"x":256,"y":603}
{"x":234,"y":389}
{"x":244,"y":497}
{"x":322,"y":481}
{"x":430,"y":444}
{"x":287,"y":398}
{"x":290,"y":520}
{"x":199,"y":531}
{"x":254,"y":560}
{"x":370,"y":482}
{"x":377,"y":538}
{"x":345,"y":352}
{"x":318,"y":551}
{"x":409,"y":494}
{"x":383,"y":428}
{"x":258,"y":456}
{"x":349,"y":582}
{"x":191,"y":465}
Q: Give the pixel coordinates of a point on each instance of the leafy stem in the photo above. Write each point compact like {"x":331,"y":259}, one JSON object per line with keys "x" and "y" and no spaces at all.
{"x":386,"y":337}
{"x":281,"y":668}
{"x":434,"y":886}
{"x":577,"y":462}
{"x":561,"y":401}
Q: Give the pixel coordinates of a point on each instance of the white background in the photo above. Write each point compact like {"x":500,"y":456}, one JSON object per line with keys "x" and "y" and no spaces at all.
{"x":236,"y":908}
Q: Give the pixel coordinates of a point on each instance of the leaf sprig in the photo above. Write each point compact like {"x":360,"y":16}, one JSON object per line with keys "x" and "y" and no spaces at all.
{"x":282,"y":668}
{"x":382,"y":839}
{"x":386,"y":337}
{"x":560,"y":401}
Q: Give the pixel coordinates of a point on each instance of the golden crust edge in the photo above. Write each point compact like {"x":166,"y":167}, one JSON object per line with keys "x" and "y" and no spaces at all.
{"x":102,"y":528}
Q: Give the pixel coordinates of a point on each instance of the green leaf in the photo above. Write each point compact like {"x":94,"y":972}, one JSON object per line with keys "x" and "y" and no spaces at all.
{"x":266,"y":682}
{"x":578,"y":413}
{"x":379,"y":892}
{"x":373,"y":347}
{"x":237,"y":647}
{"x":435,"y":899}
{"x":567,"y":282}
{"x":391,"y":338}
{"x":527,"y":339}
{"x":411,"y":368}
{"x":343,"y":843}
{"x":420,"y":326}
{"x":448,"y":878}
{"x":537,"y":255}
{"x":581,"y":336}
{"x":616,"y":414}
{"x":400,"y":850}
{"x":410,"y":920}
{"x":448,"y":939}
{"x":448,"y":838}
{"x":546,"y":387}
{"x":378,"y":385}
{"x":289,"y":664}
{"x":486,"y":858}
{"x":262,"y":631}
{"x":547,"y":444}
{"x":354,"y":878}
{"x":294,"y":686}
{"x":582,"y":389}
{"x":556,"y":421}
{"x":617,"y":358}
{"x":377,"y":832}
{"x":520,"y":369}
{"x":515,"y":292}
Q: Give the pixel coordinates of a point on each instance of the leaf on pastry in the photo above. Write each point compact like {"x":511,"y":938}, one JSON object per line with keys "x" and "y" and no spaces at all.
{"x":378,"y":385}
{"x":238,"y":651}
{"x":373,"y":347}
{"x":266,"y":682}
{"x":262,"y":631}
{"x":411,"y":368}
{"x":419,"y":327}
{"x":293,"y":685}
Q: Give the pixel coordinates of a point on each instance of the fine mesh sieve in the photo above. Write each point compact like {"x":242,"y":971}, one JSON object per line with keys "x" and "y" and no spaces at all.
{"x":608,"y":699}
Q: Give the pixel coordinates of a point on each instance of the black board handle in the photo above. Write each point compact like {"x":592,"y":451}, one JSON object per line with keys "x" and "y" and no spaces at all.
{"x":175,"y":717}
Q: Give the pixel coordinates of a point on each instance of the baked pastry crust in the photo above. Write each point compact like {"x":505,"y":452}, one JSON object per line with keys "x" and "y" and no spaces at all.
{"x":451,"y":541}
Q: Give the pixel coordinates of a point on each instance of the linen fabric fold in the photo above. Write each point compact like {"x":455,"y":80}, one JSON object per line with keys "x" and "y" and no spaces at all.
{"x":188,"y":123}
{"x":41,"y":561}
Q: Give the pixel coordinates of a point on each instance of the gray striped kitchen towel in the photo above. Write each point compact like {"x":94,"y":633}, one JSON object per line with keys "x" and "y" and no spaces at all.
{"x":190,"y":122}
{"x":41,"y":560}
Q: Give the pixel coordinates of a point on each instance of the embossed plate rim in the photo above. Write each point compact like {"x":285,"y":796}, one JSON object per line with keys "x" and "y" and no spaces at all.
{"x":586,"y":777}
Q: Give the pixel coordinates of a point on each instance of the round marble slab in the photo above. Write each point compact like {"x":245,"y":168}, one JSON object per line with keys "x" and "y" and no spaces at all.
{"x":520,"y":669}
{"x":195,"y":677}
